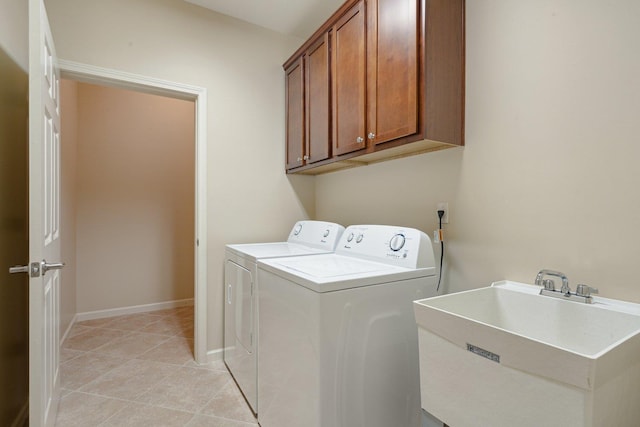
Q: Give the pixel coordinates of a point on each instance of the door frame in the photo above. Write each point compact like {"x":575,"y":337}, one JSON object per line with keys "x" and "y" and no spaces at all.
{"x":123,"y":80}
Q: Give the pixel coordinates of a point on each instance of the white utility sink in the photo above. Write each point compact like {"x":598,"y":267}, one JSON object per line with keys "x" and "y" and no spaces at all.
{"x":505,"y":356}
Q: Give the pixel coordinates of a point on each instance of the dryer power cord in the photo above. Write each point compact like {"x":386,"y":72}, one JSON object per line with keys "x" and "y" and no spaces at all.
{"x":440,"y":215}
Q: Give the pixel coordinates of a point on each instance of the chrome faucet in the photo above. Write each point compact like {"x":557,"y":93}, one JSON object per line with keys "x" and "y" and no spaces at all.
{"x":549,"y":284}
{"x":583,"y":292}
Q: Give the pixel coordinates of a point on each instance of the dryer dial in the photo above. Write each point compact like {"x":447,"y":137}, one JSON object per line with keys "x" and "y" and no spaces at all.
{"x":297,"y":229}
{"x":397,"y":242}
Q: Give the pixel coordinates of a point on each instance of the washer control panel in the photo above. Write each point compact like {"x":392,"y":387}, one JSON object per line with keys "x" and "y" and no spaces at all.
{"x":397,"y":242}
{"x":319,"y":234}
{"x":401,"y":246}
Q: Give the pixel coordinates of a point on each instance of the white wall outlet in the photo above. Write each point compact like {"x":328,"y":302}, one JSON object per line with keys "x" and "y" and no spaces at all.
{"x":443,"y":206}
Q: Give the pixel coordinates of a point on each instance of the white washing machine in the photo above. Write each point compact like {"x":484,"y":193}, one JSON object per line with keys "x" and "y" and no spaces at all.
{"x":241,"y":305}
{"x":338,"y":340}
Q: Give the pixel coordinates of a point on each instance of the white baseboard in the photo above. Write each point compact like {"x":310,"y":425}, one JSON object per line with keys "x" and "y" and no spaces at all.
{"x":101,"y":314}
{"x":215,"y":355}
{"x":66,"y":333}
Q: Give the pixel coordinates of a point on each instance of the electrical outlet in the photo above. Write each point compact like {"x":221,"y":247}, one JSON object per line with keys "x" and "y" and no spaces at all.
{"x":443,"y":206}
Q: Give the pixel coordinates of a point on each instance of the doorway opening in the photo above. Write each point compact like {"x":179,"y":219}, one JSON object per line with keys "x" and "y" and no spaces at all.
{"x":152,"y":199}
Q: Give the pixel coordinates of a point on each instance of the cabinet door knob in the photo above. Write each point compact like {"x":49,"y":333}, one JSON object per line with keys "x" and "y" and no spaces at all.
{"x":371,"y":135}
{"x":299,"y":159}
{"x":306,"y":157}
{"x":359,"y":140}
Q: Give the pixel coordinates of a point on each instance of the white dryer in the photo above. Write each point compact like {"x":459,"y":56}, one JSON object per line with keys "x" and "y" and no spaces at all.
{"x":241,"y":305}
{"x":338,"y":340}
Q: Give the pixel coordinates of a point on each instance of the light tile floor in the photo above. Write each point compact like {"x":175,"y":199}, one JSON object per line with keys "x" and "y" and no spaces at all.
{"x":139,"y":370}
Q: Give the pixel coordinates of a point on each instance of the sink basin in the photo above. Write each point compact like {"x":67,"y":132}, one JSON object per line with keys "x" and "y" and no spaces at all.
{"x":504,"y":356}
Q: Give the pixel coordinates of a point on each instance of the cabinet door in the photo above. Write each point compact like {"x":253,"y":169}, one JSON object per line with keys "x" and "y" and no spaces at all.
{"x":295,"y":114}
{"x":318,"y":141}
{"x":348,"y":66}
{"x":392,"y":69}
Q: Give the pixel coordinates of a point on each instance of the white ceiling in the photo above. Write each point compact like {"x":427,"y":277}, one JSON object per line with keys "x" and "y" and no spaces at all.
{"x":298,"y":18}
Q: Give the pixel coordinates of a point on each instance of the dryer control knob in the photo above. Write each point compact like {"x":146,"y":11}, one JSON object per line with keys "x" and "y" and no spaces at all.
{"x":359,"y":238}
{"x":297,"y":229}
{"x":326,"y":233}
{"x":350,"y":237}
{"x":397,"y":242}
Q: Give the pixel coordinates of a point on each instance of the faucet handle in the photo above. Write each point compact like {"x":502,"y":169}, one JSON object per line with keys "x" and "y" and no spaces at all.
{"x":585,"y":290}
{"x":549,"y":284}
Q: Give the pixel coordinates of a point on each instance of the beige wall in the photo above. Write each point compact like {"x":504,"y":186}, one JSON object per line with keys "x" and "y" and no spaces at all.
{"x":14,"y":30}
{"x":249,"y":197}
{"x":549,"y":177}
{"x":68,"y":205}
{"x":135,"y":198}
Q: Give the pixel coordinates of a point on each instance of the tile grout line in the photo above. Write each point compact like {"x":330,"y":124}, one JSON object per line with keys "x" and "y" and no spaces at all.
{"x":178,"y":327}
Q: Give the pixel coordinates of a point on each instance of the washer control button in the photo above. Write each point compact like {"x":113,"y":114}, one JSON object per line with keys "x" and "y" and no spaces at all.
{"x":326,"y":233}
{"x":397,"y":242}
{"x":359,"y":238}
{"x":297,"y":229}
{"x":350,"y":237}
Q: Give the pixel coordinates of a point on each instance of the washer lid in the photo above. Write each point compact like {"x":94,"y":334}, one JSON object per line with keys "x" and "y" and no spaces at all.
{"x":255,"y":251}
{"x":333,"y":272}
{"x":327,"y":267}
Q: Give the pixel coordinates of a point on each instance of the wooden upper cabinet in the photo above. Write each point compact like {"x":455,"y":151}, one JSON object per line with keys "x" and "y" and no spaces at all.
{"x":392,"y":69}
{"x":444,"y":71}
{"x":348,"y":73}
{"x":318,"y":129}
{"x":294,"y":87}
{"x":395,"y":69}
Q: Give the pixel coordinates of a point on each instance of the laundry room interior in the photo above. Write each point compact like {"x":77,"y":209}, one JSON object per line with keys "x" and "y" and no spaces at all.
{"x":537,"y":182}
{"x":544,"y":179}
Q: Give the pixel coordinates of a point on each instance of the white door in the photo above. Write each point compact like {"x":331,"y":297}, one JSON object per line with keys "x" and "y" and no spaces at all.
{"x":44,"y":219}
